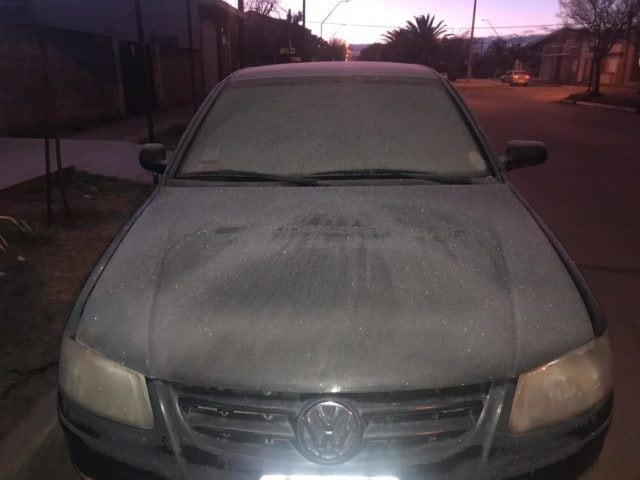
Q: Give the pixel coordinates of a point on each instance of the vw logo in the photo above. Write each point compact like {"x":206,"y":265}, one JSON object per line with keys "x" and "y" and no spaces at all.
{"x":329,"y":432}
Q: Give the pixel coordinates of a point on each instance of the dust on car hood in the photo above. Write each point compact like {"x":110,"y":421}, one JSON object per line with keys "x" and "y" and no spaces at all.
{"x":334,"y":289}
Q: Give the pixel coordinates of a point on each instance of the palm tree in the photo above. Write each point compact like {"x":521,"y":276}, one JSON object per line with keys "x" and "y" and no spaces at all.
{"x":398,"y":47}
{"x":417,"y":41}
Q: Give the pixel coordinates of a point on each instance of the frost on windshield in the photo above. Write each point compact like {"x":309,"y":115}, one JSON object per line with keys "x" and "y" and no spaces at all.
{"x":308,"y":126}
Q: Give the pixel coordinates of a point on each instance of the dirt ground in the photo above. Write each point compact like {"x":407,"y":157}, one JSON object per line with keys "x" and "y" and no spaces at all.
{"x":42,"y":273}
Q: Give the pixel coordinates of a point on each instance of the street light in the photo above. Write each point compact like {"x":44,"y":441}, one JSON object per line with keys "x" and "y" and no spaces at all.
{"x":333,"y":10}
{"x":336,"y":32}
{"x":495,"y":73}
{"x":492,"y":27}
{"x":473,"y":28}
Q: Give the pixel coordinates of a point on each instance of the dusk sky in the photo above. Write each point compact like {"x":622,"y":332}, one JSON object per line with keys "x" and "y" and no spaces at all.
{"x":455,"y":13}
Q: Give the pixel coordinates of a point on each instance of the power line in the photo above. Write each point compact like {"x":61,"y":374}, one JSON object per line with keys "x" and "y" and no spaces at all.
{"x":449,"y":28}
{"x":512,"y":26}
{"x":353,"y":24}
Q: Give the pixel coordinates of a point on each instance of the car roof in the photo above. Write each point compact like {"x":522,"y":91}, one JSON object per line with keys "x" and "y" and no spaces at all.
{"x":333,"y":69}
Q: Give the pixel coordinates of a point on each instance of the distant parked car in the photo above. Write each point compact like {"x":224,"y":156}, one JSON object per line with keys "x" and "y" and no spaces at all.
{"x":516,"y":77}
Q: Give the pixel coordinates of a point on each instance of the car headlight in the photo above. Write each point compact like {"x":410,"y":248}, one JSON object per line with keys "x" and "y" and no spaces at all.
{"x":104,"y":387}
{"x":564,"y":388}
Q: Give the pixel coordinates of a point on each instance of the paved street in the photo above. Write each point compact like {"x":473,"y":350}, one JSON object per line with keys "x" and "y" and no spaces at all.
{"x":588,"y":193}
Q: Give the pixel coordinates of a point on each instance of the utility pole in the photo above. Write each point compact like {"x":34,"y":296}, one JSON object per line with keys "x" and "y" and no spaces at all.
{"x":241,"y":43}
{"x":473,"y":29}
{"x":148,"y":79}
{"x":49,"y":118}
{"x":303,"y":54}
{"x":192,"y":67}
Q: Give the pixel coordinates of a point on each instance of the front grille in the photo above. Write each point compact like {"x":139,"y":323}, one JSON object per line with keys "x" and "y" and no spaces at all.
{"x":395,"y":424}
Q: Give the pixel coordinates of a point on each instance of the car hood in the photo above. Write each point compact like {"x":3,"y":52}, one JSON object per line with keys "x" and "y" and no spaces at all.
{"x":334,"y":289}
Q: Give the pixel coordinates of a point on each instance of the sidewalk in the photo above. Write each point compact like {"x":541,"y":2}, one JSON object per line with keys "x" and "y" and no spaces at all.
{"x":22,"y":159}
{"x":135,"y":129}
{"x":111,"y":150}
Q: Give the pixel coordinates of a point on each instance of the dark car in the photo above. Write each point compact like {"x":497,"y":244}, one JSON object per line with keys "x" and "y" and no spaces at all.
{"x":516,"y":77}
{"x":334,"y":277}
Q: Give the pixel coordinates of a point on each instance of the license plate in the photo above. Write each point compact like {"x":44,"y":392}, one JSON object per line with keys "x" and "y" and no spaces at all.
{"x":326,"y":477}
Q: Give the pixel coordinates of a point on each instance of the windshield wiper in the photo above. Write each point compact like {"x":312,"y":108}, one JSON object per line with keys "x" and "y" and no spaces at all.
{"x":393,"y":174}
{"x":244,"y":176}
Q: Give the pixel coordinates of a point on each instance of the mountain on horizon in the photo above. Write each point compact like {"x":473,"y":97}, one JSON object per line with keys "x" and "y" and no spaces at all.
{"x":480,"y":43}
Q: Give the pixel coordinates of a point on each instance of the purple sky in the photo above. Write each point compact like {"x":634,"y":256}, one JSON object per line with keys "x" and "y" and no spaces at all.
{"x":455,"y":13}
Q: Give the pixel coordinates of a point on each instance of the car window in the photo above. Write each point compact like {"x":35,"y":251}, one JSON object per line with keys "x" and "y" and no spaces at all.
{"x":305,"y":126}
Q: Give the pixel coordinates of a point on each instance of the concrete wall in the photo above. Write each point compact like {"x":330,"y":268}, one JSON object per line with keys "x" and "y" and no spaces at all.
{"x":87,"y":70}
{"x":561,"y":58}
{"x":548,"y":67}
{"x":162,"y":19}
{"x":628,"y":71}
{"x":571,"y":63}
{"x":220,"y":39}
{"x":111,"y":17}
{"x":82,"y":75}
{"x":633,"y":67}
{"x":172,"y":75}
{"x":210,"y":60}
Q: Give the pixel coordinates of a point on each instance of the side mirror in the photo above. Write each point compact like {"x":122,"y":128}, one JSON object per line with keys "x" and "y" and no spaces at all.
{"x":153,"y":157}
{"x":524,"y":153}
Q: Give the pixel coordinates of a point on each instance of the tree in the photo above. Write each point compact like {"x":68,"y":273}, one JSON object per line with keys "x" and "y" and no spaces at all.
{"x":605,"y":21}
{"x":372,"y":53}
{"x":295,"y":18}
{"x":416,"y":42}
{"x":422,"y":41}
{"x":503,"y":54}
{"x":634,"y":38}
{"x":498,"y":54}
{"x":398,"y":47}
{"x":334,"y":50}
{"x":264,"y":7}
{"x":453,"y":55}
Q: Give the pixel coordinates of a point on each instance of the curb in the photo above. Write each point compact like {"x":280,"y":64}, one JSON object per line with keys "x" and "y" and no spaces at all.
{"x":461,"y":85}
{"x":19,"y":445}
{"x":602,"y":105}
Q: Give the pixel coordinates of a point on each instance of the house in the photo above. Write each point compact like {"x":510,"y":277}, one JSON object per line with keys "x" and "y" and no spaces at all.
{"x":273,"y":40}
{"x":95,"y":63}
{"x":565,"y":56}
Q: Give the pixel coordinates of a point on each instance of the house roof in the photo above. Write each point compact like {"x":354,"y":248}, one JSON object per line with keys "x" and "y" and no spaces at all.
{"x":554,"y":34}
{"x":220,"y":4}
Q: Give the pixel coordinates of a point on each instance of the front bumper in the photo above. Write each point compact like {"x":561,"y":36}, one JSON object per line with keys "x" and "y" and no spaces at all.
{"x":102,"y":449}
